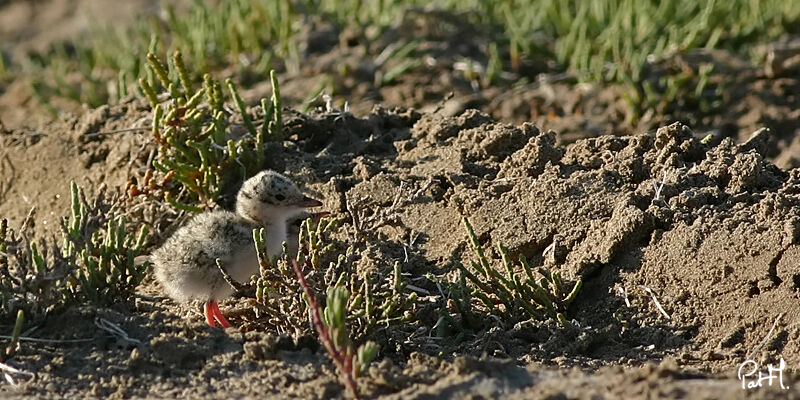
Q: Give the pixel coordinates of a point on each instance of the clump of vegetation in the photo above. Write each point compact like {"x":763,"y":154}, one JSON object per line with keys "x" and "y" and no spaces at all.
{"x":334,"y":333}
{"x":95,"y":261}
{"x":377,"y":306}
{"x":202,"y":146}
{"x":103,"y":251}
{"x":29,"y":279}
{"x":373,"y":301}
{"x":285,"y":291}
{"x":513,"y":296}
{"x":276,"y":289}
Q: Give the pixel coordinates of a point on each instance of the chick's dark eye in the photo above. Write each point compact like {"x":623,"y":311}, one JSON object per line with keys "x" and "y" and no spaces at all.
{"x":280,"y":197}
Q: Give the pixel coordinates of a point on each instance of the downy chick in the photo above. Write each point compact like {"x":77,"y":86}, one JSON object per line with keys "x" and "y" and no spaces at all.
{"x":185,"y":264}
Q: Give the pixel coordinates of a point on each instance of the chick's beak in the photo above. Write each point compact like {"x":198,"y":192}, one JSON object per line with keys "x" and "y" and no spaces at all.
{"x":309,"y":202}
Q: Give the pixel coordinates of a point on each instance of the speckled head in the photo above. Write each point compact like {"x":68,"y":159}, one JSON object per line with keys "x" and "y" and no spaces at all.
{"x":270,"y":196}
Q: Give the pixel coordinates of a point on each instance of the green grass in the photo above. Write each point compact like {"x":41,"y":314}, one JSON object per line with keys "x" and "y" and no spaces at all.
{"x":192,"y":130}
{"x":241,"y":34}
{"x":373,"y":301}
{"x":513,"y":295}
{"x":614,"y":41}
{"x":103,"y":251}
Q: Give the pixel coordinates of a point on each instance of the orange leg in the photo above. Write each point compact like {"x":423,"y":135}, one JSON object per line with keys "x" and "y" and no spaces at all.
{"x":209,"y":312}
{"x":216,"y":313}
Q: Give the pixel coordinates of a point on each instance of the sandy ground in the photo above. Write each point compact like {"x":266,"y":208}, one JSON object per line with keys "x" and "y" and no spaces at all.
{"x":711,"y":229}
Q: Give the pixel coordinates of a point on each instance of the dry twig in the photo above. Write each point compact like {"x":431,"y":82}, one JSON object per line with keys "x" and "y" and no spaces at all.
{"x":115,"y":330}
{"x":9,"y":372}
{"x":766,"y":338}
{"x":655,"y":300}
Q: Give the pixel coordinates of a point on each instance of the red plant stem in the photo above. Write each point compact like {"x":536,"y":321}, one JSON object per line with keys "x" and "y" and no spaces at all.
{"x":340,"y":360}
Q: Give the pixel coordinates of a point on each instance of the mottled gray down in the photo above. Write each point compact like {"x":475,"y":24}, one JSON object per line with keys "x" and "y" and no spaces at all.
{"x":185,"y":264}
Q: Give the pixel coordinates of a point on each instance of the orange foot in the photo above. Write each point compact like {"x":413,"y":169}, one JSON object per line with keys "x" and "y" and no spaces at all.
{"x":212,"y":312}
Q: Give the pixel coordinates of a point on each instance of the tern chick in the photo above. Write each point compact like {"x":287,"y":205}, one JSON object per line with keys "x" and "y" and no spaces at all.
{"x":185,"y":264}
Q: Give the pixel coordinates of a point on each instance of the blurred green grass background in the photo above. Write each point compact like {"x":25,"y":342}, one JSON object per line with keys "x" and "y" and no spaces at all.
{"x":608,"y":41}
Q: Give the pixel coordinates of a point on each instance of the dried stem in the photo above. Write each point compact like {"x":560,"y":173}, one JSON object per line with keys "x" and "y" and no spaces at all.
{"x":238,"y":287}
